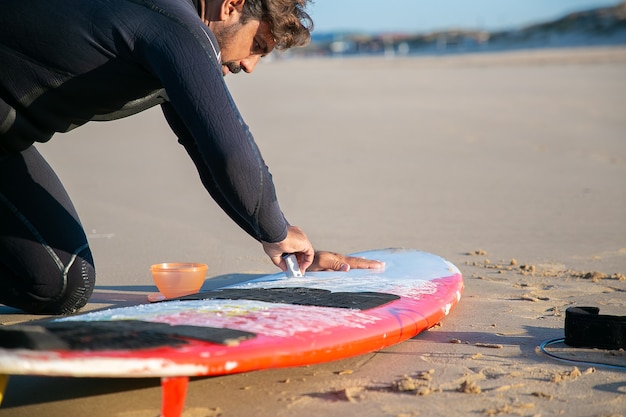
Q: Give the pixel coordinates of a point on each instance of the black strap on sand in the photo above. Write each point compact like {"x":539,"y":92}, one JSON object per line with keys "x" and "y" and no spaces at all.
{"x":299,"y":296}
{"x":112,"y":335}
{"x":585,"y":327}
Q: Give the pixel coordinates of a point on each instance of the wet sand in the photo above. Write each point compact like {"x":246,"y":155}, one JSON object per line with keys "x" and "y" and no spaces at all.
{"x":509,"y":165}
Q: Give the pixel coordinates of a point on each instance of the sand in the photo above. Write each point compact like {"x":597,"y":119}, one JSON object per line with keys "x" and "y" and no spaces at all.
{"x":510,"y":165}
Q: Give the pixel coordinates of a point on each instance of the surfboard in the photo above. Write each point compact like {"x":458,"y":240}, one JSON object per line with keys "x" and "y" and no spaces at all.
{"x":268,"y":322}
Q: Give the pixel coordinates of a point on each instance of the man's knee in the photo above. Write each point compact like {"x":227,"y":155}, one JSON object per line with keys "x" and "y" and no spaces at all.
{"x":79,"y":280}
{"x":62,"y":293}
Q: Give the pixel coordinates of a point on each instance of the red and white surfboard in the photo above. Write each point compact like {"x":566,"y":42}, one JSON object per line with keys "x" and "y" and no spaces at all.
{"x":270,"y":322}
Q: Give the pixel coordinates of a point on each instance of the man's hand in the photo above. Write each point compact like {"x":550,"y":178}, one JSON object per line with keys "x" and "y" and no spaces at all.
{"x":297,"y":243}
{"x":331,"y":261}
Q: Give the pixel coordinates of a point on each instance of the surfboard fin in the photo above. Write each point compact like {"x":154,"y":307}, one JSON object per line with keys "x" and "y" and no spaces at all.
{"x":4,"y":380}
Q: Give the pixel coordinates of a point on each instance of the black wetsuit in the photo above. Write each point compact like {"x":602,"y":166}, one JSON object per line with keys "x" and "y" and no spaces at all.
{"x":66,"y":62}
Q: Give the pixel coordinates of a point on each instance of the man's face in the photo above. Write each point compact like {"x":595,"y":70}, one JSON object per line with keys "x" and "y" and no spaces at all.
{"x":242,"y":45}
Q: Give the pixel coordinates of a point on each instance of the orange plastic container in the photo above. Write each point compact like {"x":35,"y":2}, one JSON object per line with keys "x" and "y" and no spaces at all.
{"x":175,"y":279}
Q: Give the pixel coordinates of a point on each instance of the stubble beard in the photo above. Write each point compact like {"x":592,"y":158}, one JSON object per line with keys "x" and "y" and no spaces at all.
{"x":224,"y":36}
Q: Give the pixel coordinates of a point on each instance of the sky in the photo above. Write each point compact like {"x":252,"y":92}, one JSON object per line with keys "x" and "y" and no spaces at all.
{"x":430,"y":15}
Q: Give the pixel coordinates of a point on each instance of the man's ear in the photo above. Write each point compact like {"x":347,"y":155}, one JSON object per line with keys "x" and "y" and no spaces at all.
{"x":231,"y":9}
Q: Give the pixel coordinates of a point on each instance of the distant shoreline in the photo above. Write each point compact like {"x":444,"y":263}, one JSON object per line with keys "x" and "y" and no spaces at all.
{"x":545,"y":55}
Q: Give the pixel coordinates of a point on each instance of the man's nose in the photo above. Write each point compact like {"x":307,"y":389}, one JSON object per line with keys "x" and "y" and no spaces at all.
{"x":249,"y":63}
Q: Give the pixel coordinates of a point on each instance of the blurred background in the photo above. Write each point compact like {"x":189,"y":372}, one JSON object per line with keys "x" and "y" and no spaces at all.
{"x":406,"y":27}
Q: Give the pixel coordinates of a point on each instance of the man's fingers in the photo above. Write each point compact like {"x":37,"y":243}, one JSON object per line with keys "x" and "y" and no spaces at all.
{"x":305,"y":259}
{"x":362,"y":263}
{"x":331,"y":261}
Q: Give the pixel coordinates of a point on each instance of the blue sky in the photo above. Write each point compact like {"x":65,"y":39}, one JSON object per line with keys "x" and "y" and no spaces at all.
{"x":429,"y":15}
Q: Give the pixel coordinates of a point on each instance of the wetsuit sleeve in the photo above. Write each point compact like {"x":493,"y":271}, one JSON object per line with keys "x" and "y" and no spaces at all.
{"x":207,"y":178}
{"x":204,"y":117}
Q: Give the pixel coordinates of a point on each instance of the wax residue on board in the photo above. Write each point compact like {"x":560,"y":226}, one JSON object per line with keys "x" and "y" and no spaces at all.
{"x":269,"y":319}
{"x":407,"y":273}
{"x":402,"y":282}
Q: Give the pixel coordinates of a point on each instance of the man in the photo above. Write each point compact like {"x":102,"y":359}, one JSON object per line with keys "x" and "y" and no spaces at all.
{"x":67,"y":62}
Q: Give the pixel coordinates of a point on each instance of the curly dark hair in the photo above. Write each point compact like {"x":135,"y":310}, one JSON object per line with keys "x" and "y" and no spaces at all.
{"x":291,"y":24}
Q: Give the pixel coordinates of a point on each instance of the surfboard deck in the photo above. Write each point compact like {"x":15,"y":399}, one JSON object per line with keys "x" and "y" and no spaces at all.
{"x":269,"y":322}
